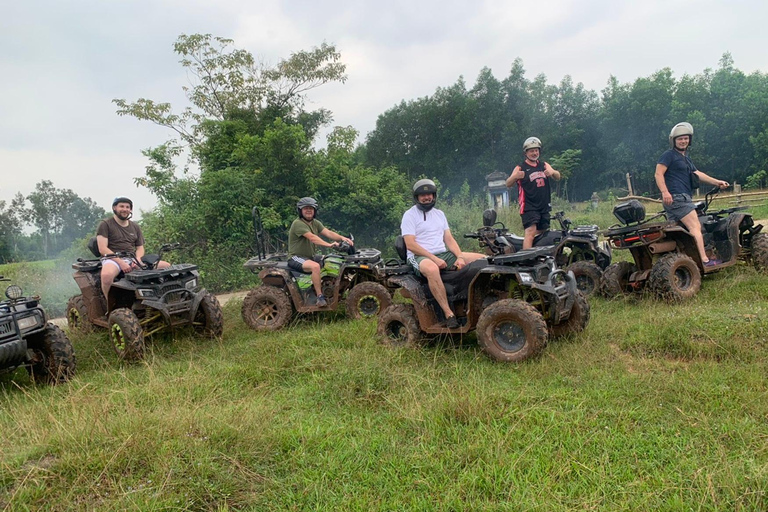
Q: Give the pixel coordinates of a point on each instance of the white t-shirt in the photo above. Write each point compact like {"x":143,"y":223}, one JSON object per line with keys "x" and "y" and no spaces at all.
{"x":429,"y":233}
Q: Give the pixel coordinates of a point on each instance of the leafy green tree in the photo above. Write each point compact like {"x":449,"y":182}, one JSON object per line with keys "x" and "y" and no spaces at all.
{"x":61,"y":216}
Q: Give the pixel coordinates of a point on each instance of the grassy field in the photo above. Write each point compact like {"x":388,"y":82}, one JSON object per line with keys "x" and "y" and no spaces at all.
{"x":653,"y":407}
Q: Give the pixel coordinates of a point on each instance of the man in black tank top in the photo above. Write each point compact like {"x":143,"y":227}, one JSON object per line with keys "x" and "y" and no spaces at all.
{"x":532,"y":178}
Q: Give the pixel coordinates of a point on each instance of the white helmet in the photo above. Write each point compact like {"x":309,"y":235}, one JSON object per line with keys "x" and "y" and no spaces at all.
{"x":531,"y":143}
{"x":679,"y":130}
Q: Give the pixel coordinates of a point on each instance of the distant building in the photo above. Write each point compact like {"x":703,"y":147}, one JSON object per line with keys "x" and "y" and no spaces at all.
{"x":498,"y":193}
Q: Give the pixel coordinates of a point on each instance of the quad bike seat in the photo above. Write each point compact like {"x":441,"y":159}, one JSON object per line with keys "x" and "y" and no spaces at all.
{"x":523,"y":255}
{"x":454,"y":280}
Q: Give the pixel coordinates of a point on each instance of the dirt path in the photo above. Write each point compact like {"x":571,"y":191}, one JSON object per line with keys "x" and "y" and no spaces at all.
{"x":223,"y":299}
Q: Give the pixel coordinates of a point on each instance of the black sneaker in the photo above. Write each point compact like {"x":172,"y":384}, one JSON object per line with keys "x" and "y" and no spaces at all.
{"x":451,"y":322}
{"x":321,"y":302}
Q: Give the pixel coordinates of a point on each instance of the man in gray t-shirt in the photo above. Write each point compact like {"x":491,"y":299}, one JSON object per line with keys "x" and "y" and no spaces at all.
{"x":120,"y":234}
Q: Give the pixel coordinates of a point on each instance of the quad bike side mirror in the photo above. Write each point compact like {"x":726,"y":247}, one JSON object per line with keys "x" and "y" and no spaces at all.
{"x":489,"y":218}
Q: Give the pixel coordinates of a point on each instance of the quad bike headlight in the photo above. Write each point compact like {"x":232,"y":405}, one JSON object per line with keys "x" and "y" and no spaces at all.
{"x":191,"y":284}
{"x":145,"y":292}
{"x":27,"y":322}
{"x":13,"y":292}
{"x":525,"y":278}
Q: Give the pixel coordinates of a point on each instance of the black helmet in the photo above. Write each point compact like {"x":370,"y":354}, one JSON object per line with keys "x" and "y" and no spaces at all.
{"x":424,"y":187}
{"x":121,"y":200}
{"x":304,"y":202}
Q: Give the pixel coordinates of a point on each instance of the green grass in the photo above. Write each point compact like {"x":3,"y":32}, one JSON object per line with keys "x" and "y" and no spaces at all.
{"x":653,"y":407}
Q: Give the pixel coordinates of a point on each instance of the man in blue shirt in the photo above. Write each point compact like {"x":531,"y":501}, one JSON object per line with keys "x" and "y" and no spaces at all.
{"x":674,"y":177}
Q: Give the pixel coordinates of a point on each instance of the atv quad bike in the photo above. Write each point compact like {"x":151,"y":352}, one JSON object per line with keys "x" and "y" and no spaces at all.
{"x":666,"y":260}
{"x":575,"y":248}
{"x":28,"y":339}
{"x":143,"y":302}
{"x":514,"y":301}
{"x":285,"y":291}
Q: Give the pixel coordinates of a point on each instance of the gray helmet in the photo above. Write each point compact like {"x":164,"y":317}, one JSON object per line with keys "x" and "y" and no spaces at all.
{"x":531,"y":143}
{"x":424,"y":187}
{"x":679,"y":130}
{"x":121,"y":199}
{"x":307,"y":201}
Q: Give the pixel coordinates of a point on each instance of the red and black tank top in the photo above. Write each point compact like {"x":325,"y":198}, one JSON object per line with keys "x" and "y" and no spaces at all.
{"x":533,"y":192}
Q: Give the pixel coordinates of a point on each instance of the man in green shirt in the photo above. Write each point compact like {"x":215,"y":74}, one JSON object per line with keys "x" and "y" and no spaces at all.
{"x":303,"y":236}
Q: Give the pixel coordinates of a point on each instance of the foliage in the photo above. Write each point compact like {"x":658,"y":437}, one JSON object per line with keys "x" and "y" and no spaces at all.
{"x":60,"y":217}
{"x":463,"y":133}
{"x":757,"y":180}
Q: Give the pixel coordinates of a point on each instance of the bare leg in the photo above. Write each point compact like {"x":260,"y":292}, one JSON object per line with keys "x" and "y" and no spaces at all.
{"x":108,"y":274}
{"x":469,"y":257}
{"x":691,"y":222}
{"x":313,"y":268}
{"x":432,"y":272}
{"x":530,"y":233}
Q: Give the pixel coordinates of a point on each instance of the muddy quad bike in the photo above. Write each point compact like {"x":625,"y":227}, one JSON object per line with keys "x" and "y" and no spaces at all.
{"x":575,"y":248}
{"x":666,"y":261}
{"x":285,"y":291}
{"x":28,"y":339}
{"x":514,"y":301}
{"x":142,"y":302}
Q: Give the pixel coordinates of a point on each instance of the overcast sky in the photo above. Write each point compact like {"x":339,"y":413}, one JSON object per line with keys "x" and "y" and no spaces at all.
{"x":62,"y":62}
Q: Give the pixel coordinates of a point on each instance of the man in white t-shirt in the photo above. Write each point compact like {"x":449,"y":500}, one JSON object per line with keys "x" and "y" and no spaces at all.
{"x":431,"y":246}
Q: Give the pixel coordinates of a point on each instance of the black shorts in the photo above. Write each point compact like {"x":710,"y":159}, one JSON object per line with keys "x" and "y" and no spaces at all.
{"x":297,"y":262}
{"x":541,"y":219}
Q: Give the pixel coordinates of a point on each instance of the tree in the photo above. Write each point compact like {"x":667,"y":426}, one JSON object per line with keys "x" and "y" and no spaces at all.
{"x":61,"y":216}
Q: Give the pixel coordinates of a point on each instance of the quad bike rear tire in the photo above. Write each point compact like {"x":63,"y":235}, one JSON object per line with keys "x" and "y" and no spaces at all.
{"x":367,"y":300}
{"x":675,"y":277}
{"x":399,"y":327}
{"x":576,"y":322}
{"x":616,"y":280}
{"x":54,"y":354}
{"x":126,"y":335}
{"x":77,"y":315}
{"x":589,"y":277}
{"x":760,"y":251}
{"x":267,"y":308}
{"x":209,"y":321}
{"x":511,"y":330}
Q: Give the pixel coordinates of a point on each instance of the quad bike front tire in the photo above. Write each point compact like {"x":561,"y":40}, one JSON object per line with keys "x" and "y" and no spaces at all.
{"x":511,"y":330}
{"x":675,"y":277}
{"x":209,"y":321}
{"x":367,"y":300}
{"x":77,"y":315}
{"x":54,"y":356}
{"x":588,"y":275}
{"x":577,"y":321}
{"x":616,"y":280}
{"x":399,"y":327}
{"x":760,"y":251}
{"x":126,"y":335}
{"x":267,"y":308}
